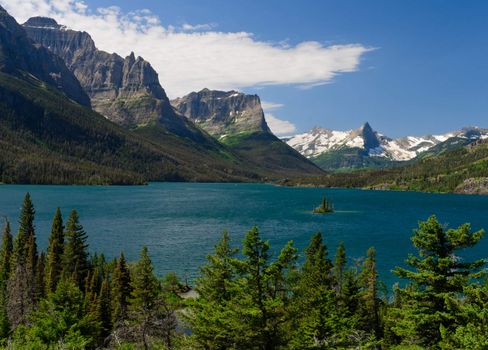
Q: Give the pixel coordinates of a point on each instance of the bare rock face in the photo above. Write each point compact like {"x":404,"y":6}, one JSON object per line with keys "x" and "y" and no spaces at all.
{"x":223,"y":113}
{"x":125,"y":90}
{"x":473,"y":186}
{"x":20,"y":55}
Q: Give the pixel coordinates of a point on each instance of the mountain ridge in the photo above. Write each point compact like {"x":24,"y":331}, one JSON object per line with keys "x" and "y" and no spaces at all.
{"x":322,"y":145}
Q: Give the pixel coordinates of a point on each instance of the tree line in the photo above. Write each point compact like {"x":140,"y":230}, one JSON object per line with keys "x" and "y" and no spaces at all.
{"x":67,"y":298}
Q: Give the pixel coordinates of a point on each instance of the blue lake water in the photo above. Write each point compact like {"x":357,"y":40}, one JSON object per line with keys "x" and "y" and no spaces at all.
{"x":181,"y":222}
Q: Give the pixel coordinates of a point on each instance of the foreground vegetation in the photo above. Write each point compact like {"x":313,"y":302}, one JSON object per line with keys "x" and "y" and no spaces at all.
{"x":69,"y":299}
{"x":463,"y":170}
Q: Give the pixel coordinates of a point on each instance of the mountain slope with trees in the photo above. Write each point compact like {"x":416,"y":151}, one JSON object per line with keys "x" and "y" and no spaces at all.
{"x":461,"y":170}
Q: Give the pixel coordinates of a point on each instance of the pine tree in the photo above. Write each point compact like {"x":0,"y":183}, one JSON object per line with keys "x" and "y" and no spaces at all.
{"x":40,"y":277}
{"x":21,"y":285}
{"x":318,"y":319}
{"x":5,"y":255}
{"x":339,"y":268}
{"x":103,"y":312}
{"x":148,"y":312}
{"x":210,"y":312}
{"x":369,"y":296}
{"x":26,"y":228}
{"x":55,"y":251}
{"x":75,"y":257}
{"x":59,"y":322}
{"x":439,"y":276}
{"x":121,"y":290}
{"x":265,"y":300}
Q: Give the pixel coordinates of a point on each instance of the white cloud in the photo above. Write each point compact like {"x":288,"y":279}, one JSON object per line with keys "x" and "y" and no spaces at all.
{"x":189,"y":59}
{"x":270,"y":106}
{"x":198,"y":27}
{"x":280,"y":127}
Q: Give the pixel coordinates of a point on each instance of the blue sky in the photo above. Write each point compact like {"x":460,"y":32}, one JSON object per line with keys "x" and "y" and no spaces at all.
{"x":428,"y":72}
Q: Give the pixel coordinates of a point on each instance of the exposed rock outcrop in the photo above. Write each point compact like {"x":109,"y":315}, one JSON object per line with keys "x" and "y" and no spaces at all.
{"x":474,"y":186}
{"x":125,"y":90}
{"x":19,"y":55}
{"x":223,"y":113}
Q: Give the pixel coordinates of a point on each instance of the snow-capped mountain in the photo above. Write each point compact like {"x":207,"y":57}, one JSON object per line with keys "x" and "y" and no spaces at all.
{"x":319,"y":141}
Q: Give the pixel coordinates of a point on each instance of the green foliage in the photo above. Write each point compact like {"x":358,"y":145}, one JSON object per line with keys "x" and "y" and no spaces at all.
{"x":59,"y":320}
{"x":121,"y":290}
{"x":5,"y":257}
{"x":55,"y":252}
{"x":444,"y":172}
{"x":75,"y":256}
{"x":439,"y":277}
{"x":244,"y":301}
{"x":325,"y":207}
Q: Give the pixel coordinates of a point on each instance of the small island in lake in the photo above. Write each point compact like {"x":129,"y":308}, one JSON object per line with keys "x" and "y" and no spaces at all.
{"x":325,"y":207}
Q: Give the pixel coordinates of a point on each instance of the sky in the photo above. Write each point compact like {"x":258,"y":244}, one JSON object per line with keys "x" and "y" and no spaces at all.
{"x":411,"y":67}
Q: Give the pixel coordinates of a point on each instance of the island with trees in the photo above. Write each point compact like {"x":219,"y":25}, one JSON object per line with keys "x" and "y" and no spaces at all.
{"x":325,"y":207}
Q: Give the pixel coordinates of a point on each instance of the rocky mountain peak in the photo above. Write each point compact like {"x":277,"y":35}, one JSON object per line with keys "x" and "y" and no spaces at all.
{"x":369,"y":136}
{"x":223,"y":112}
{"x":125,"y":90}
{"x":20,"y":54}
{"x":42,"y":22}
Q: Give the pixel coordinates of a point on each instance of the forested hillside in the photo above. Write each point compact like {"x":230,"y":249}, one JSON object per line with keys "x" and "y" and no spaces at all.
{"x":462,"y":170}
{"x":71,"y":298}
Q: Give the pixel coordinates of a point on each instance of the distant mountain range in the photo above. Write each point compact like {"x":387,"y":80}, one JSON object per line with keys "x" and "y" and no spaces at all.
{"x":365,"y":147}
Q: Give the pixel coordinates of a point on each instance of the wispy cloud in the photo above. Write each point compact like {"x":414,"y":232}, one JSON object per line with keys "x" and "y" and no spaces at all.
{"x":192,"y":57}
{"x":271,"y":106}
{"x":198,"y":27}
{"x":280,"y":127}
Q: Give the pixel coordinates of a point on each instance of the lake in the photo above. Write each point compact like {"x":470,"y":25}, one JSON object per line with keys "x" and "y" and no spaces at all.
{"x":181,"y":222}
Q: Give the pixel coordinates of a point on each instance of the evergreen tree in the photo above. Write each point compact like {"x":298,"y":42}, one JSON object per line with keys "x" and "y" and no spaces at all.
{"x":5,"y":255}
{"x":471,"y":319}
{"x":21,"y":285}
{"x":266,"y":295}
{"x":55,"y":251}
{"x":369,"y":296}
{"x":59,"y":322}
{"x":149,"y":312}
{"x":211,"y":313}
{"x":40,"y":277}
{"x":75,"y":258}
{"x":318,"y":321}
{"x":103,"y":312}
{"x":121,"y":290}
{"x":339,"y":268}
{"x":439,"y":276}
{"x":26,"y":229}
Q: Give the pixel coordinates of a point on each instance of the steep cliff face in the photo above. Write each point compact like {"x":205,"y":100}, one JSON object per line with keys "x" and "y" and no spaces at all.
{"x":125,"y":90}
{"x":19,"y":55}
{"x":237,"y":120}
{"x":223,"y":113}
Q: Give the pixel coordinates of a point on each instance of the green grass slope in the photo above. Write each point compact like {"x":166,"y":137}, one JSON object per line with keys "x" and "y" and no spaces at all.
{"x":347,"y":159}
{"x":269,"y":156}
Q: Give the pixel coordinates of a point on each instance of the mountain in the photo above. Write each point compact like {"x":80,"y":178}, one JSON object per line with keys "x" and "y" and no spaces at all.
{"x":364,"y":147}
{"x":237,"y":120}
{"x":461,"y":170}
{"x":125,"y":90}
{"x":223,"y":113}
{"x":48,"y":136}
{"x":20,"y":56}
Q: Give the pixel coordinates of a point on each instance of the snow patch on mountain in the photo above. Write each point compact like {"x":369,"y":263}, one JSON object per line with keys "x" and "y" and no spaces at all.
{"x":320,"y":140}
